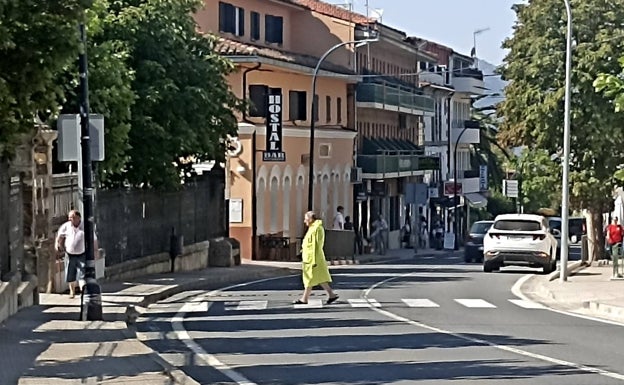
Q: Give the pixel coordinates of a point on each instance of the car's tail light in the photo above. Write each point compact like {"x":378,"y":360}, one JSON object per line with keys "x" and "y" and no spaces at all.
{"x":541,"y":237}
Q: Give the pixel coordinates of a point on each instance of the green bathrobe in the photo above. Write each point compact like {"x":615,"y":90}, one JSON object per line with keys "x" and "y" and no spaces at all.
{"x":315,"y":269}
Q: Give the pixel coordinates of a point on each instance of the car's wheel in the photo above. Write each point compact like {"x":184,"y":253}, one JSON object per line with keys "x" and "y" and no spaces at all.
{"x":487,"y":267}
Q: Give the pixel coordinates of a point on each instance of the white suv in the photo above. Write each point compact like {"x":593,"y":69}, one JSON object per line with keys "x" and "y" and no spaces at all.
{"x":521,"y":240}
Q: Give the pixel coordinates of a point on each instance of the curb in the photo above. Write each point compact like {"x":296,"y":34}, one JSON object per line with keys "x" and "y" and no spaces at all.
{"x":573,"y":268}
{"x":603,"y":308}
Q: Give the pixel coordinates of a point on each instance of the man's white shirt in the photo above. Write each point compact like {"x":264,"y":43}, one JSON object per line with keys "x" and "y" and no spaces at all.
{"x":74,"y":237}
{"x":339,"y":221}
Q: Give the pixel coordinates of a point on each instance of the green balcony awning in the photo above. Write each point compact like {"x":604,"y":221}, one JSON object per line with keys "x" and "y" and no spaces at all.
{"x":378,"y":146}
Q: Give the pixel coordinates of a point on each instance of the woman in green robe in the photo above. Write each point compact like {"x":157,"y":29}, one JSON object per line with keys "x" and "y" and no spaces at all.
{"x":314,"y":271}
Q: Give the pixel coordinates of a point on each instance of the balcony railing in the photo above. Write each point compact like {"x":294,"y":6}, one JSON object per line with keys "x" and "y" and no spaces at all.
{"x":395,"y":164}
{"x":393,"y":96}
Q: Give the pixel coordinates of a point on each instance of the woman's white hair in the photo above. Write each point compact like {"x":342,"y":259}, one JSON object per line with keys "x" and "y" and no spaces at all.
{"x":311,"y":215}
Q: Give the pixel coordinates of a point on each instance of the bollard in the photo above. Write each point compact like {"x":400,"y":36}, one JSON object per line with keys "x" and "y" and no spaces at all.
{"x":584,"y":249}
{"x":176,"y":247}
{"x":91,"y":301}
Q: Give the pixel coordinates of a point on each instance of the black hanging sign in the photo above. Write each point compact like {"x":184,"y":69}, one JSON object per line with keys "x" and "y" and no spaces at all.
{"x":273,"y":152}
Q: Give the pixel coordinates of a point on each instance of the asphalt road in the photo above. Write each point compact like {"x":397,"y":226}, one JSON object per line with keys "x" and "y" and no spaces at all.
{"x":433,"y":320}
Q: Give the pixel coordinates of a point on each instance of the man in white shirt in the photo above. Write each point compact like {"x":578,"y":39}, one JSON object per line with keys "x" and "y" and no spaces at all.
{"x":339,"y":219}
{"x":71,"y":240}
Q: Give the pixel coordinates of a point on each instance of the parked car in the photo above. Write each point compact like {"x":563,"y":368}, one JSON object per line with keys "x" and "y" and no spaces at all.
{"x":577,"y":228}
{"x":520,"y":240}
{"x":473,"y":250}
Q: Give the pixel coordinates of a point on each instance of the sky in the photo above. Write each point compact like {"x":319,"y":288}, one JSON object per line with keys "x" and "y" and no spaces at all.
{"x":449,"y":22}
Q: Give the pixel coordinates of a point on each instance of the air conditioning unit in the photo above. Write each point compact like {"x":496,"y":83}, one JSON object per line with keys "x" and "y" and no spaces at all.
{"x":356,"y":174}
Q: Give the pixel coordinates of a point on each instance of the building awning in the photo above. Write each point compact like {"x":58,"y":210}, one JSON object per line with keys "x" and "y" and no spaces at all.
{"x":476,"y":200}
{"x":376,"y":146}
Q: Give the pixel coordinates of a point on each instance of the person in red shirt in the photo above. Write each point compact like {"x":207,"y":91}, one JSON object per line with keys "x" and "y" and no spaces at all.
{"x":615,"y":233}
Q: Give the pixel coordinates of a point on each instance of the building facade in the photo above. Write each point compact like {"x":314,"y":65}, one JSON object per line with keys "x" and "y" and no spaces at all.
{"x":268,"y":177}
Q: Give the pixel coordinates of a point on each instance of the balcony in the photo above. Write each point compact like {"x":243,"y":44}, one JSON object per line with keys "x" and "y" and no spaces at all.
{"x":470,"y":136}
{"x":469,"y":81}
{"x":392,"y":97}
{"x":394,"y":158}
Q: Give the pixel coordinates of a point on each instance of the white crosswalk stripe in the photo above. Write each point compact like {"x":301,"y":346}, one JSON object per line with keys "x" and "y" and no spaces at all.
{"x":526,"y":304}
{"x":475,"y":303}
{"x":246,"y":305}
{"x":419,"y":302}
{"x":360,"y":302}
{"x":312,"y":304}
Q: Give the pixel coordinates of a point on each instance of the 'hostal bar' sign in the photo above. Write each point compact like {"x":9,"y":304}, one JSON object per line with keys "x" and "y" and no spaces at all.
{"x":273,"y":152}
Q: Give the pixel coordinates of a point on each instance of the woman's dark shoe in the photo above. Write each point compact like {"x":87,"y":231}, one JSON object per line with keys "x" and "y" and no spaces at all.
{"x":299,"y":302}
{"x":333,"y":299}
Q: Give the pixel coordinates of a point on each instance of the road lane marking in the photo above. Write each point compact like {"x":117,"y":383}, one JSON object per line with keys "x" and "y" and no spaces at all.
{"x":527,"y":304}
{"x":359,"y":302}
{"x":474,"y":340}
{"x":246,"y":305}
{"x":419,"y":302}
{"x":312,"y":304}
{"x":475,"y":303}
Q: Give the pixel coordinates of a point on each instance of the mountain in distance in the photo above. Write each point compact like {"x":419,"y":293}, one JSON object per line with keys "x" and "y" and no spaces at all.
{"x":494,"y":84}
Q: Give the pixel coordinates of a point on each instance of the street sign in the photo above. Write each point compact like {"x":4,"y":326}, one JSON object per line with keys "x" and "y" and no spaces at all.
{"x":510,"y":188}
{"x":449,"y":188}
{"x":68,"y":126}
{"x":273,"y":151}
{"x":483,"y":178}
{"x":416,"y":193}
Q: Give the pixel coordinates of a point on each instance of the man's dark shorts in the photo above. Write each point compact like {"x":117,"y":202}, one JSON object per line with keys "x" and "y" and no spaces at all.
{"x":75,"y":267}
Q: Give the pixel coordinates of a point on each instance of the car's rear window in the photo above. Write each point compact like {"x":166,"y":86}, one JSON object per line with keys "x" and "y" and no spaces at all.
{"x":517,"y":225}
{"x":480,"y":228}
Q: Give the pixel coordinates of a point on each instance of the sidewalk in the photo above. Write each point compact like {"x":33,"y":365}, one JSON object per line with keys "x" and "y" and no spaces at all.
{"x":589,"y":290}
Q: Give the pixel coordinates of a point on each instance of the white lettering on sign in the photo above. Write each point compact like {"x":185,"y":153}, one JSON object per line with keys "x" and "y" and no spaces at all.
{"x":273,"y":152}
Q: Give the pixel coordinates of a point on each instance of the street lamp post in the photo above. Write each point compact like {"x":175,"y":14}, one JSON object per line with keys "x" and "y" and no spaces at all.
{"x":456,"y":213}
{"x":566,"y":149}
{"x":358,"y":43}
{"x":91,"y":300}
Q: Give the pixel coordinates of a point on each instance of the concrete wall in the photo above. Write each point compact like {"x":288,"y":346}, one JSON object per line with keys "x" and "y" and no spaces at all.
{"x":194,"y":257}
{"x":16,"y":293}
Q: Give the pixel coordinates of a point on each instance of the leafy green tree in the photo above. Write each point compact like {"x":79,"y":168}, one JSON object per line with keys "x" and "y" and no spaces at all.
{"x":110,"y":88}
{"x":499,"y":204}
{"x":183,"y":106}
{"x":488,"y":152}
{"x":540,"y":178}
{"x":612,"y":86}
{"x":533,"y":108}
{"x":38,"y":40}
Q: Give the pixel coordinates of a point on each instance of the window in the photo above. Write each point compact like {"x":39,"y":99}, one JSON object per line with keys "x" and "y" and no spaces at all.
{"x":325,"y":150}
{"x":315,"y":113}
{"x":338,"y":110}
{"x":255,"y":26}
{"x":274,"y":29}
{"x":231,"y":19}
{"x":258,"y":96}
{"x":517,"y":225}
{"x":297,"y":105}
{"x":328,"y":108}
{"x":402,"y":121}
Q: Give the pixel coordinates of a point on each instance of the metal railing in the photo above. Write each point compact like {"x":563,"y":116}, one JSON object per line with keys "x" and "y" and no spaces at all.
{"x":393,"y":95}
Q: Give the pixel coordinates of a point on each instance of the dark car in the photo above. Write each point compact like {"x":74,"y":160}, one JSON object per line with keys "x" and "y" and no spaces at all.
{"x":577,"y":228}
{"x":473,"y":250}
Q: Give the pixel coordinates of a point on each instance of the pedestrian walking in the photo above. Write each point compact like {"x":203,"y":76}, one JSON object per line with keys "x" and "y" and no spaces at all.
{"x":348,"y":225}
{"x":339,"y":219}
{"x":315,"y":271}
{"x":378,"y":236}
{"x":615,"y":234}
{"x":70,"y":240}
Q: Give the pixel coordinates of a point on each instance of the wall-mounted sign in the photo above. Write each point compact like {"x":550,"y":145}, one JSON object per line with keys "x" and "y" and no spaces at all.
{"x":236,"y":210}
{"x":273,"y":151}
{"x":483,"y":178}
{"x":449,"y":188}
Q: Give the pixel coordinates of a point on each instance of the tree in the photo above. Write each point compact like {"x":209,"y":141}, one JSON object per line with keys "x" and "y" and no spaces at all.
{"x":184,"y":106}
{"x":38,"y":39}
{"x":110,"y":88}
{"x":533,"y":108}
{"x":540,"y":181}
{"x":488,"y":151}
{"x":612,"y":86}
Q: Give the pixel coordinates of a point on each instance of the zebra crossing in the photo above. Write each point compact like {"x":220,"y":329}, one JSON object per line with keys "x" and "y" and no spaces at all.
{"x":471,"y":303}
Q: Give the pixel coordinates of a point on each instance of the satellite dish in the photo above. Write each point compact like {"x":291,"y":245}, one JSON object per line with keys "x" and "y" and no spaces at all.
{"x":233,"y":146}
